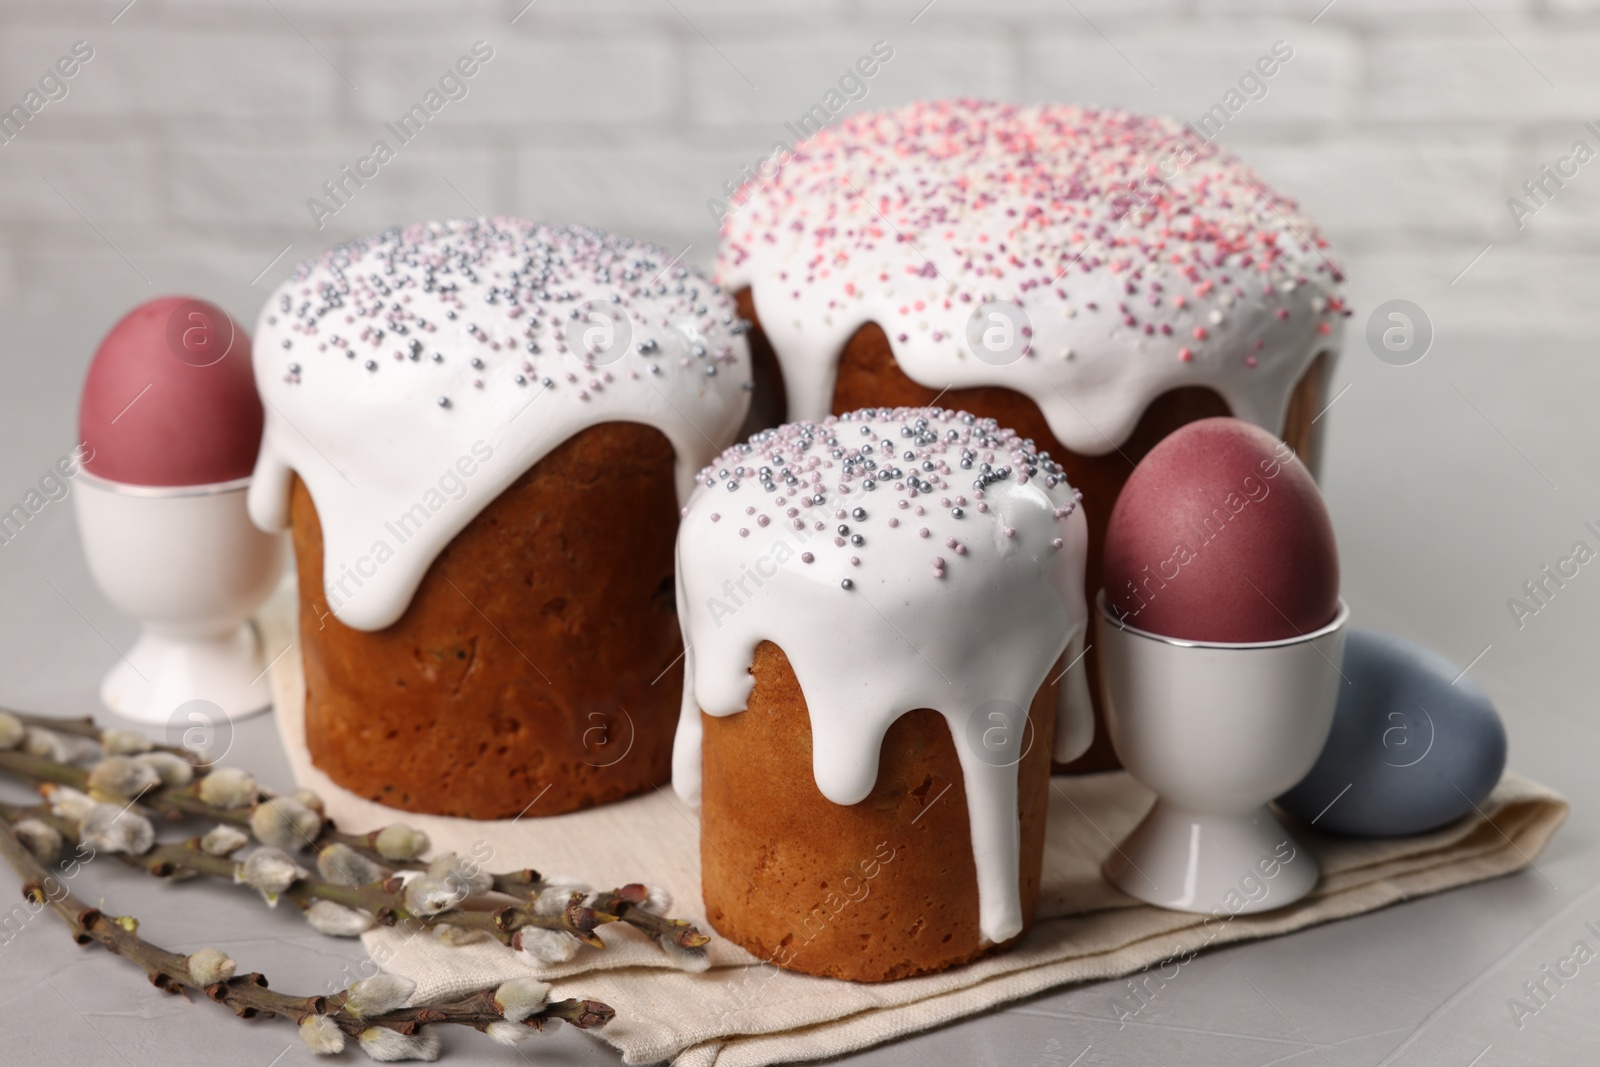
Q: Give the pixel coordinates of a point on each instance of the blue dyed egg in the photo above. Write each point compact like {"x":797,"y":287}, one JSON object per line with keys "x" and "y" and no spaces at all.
{"x":1408,"y":751}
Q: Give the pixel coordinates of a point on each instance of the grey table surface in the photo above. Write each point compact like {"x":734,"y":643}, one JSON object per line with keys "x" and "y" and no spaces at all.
{"x":1451,"y":481}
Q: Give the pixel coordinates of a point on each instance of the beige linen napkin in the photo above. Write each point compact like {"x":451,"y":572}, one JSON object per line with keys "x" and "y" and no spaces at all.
{"x":743,"y":1013}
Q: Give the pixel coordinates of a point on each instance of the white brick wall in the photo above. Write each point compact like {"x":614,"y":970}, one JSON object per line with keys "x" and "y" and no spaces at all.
{"x":193,"y":138}
{"x":1378,"y":188}
{"x":1531,"y":73}
{"x":136,"y":198}
{"x":1191,"y":63}
{"x":568,"y":79}
{"x":653,"y":190}
{"x":793,"y":73}
{"x":140,"y":73}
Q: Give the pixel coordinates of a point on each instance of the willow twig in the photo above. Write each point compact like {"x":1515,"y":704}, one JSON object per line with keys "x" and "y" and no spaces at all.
{"x":384,"y":900}
{"x":500,"y":919}
{"x":248,"y":995}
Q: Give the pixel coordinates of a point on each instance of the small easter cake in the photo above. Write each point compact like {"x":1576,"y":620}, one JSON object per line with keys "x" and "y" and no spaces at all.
{"x":879,"y":608}
{"x":481,"y":432}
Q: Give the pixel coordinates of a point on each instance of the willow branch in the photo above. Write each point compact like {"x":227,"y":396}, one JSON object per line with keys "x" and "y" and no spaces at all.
{"x":627,"y":904}
{"x":37,"y":770}
{"x":178,"y":802}
{"x":89,"y":730}
{"x":248,"y":995}
{"x":384,"y":901}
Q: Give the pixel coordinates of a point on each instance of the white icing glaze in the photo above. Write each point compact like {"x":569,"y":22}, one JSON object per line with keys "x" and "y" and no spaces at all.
{"x":345,"y":362}
{"x":976,"y":634}
{"x":1133,"y":283}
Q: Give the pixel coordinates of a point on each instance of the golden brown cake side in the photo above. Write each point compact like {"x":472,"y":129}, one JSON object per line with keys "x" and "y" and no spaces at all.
{"x":521,"y":672}
{"x":868,"y":376}
{"x":869,"y":892}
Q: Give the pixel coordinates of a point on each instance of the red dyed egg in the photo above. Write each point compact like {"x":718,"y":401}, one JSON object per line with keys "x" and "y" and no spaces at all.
{"x":1221,"y":535}
{"x":171,"y":399}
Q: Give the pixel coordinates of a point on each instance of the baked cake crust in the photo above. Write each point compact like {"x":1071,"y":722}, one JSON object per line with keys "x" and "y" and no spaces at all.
{"x":520,"y":673}
{"x":868,"y":892}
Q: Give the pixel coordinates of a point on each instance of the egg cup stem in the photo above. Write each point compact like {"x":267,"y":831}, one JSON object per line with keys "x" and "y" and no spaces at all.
{"x":189,"y":565}
{"x":1192,"y":861}
{"x":164,"y":670}
{"x":1217,"y":730}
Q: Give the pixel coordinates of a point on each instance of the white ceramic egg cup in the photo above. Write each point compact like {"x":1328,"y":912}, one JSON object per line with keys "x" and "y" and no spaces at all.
{"x":1216,"y":730}
{"x":188,"y":563}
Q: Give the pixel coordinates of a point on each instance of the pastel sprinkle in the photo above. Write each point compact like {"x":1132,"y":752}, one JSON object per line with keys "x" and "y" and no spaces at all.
{"x":950,"y":456}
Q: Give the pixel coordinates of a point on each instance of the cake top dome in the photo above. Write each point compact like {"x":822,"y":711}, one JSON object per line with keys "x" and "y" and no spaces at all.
{"x":465,"y":351}
{"x":1141,"y":258}
{"x":931,"y":465}
{"x":902,"y":559}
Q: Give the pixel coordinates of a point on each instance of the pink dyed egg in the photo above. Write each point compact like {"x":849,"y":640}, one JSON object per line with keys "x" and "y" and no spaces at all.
{"x":170,"y":399}
{"x":1221,"y":535}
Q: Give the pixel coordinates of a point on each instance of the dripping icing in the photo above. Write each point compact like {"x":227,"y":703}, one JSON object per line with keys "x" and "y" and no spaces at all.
{"x":1133,"y":284}
{"x":411,"y":376}
{"x":987,"y":625}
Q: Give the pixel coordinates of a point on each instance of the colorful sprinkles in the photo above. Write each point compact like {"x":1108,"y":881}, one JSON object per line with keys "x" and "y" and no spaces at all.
{"x":851,"y":469}
{"x":945,"y":205}
{"x":511,"y":287}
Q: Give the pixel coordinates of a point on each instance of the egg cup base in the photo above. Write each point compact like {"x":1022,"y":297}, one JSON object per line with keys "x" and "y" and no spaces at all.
{"x":1223,"y":864}
{"x":162,"y":672}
